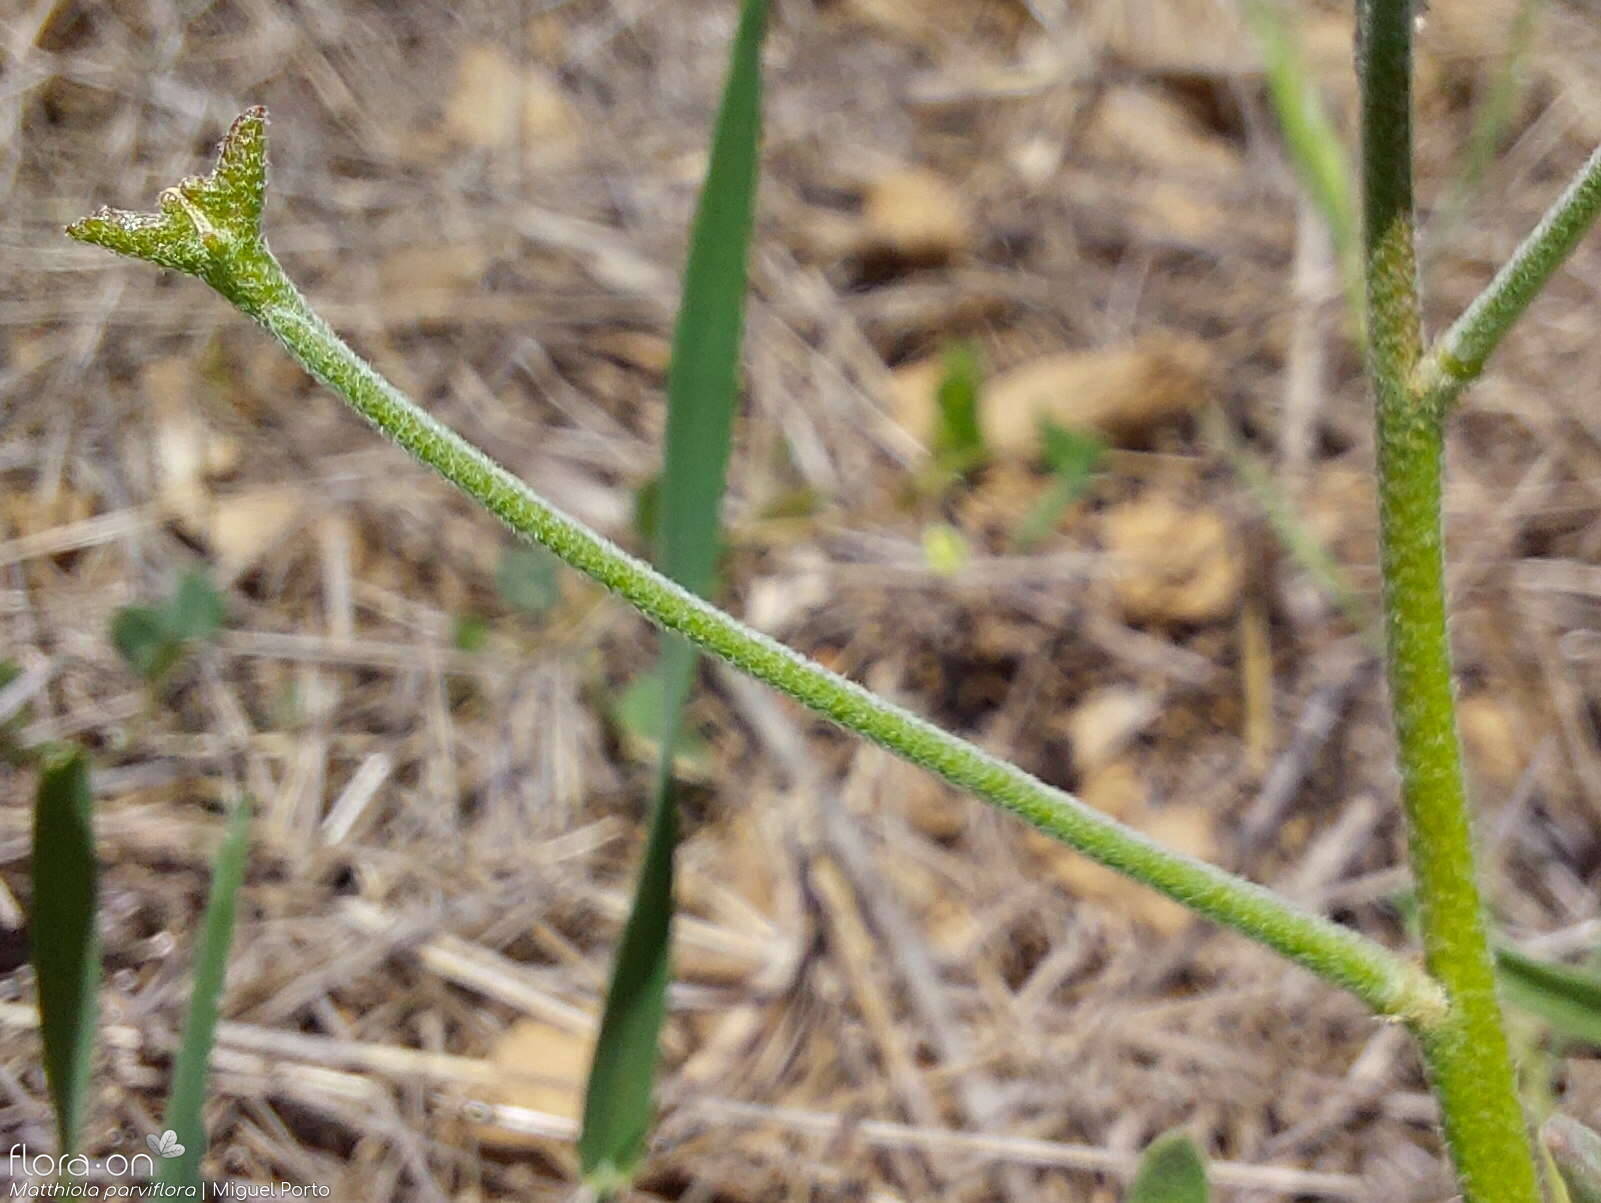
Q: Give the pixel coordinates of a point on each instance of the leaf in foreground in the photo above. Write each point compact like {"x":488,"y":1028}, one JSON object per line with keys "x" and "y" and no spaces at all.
{"x":65,"y":940}
{"x":1171,"y":1171}
{"x":702,"y":387}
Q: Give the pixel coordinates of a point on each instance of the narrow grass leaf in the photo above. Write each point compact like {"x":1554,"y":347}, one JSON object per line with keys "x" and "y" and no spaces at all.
{"x":1316,"y":150}
{"x":186,"y":1102}
{"x":1567,"y":999}
{"x":1171,"y":1171}
{"x":702,"y":388}
{"x":65,"y":940}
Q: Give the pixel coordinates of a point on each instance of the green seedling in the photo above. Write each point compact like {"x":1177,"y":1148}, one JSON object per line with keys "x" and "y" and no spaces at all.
{"x":958,"y":441}
{"x":1171,"y":1171}
{"x":185,"y":1123}
{"x":1072,"y":457}
{"x":65,"y":942}
{"x":153,"y":639}
{"x":211,"y":227}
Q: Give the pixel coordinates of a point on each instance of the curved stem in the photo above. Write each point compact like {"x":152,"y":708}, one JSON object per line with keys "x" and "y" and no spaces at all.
{"x":1387,"y":983}
{"x":1468,"y":1058}
{"x":224,"y":247}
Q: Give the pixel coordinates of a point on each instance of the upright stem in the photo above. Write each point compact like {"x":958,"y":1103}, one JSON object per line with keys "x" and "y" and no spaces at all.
{"x":1468,"y":1058}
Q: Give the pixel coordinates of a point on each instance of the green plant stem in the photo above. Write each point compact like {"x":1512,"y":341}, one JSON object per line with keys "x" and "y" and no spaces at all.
{"x":210,"y":227}
{"x":1459,"y":355}
{"x":1467,"y":1054}
{"x":1385,"y":981}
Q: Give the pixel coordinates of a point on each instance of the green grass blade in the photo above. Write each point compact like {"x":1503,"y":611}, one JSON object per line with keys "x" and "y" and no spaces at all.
{"x":1171,"y":1171}
{"x":65,"y":940}
{"x":702,"y":388}
{"x":1567,"y":999}
{"x":1316,"y":150}
{"x":617,"y":1103}
{"x":185,"y":1103}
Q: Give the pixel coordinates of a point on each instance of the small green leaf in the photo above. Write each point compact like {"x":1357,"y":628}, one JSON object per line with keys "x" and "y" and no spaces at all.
{"x":639,"y":712}
{"x":1576,"y":1152}
{"x":65,"y":940}
{"x":197,"y":609}
{"x":527,"y":580}
{"x":185,"y":1103}
{"x":152,"y":638}
{"x":1073,"y":457}
{"x":140,"y":634}
{"x":1171,"y":1171}
{"x":1072,"y":454}
{"x":1568,"y":999}
{"x":958,"y":440}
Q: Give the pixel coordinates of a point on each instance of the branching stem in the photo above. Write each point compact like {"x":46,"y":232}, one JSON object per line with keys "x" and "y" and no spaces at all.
{"x":1468,"y":1058}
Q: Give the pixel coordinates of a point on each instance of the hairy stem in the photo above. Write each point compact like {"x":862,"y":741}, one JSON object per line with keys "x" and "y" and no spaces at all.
{"x":1468,"y":1058}
{"x":1383,"y":980}
{"x":1458,"y":357}
{"x":210,"y":227}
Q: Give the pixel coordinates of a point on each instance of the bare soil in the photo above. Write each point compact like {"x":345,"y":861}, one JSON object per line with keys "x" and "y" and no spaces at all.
{"x":885,"y":991}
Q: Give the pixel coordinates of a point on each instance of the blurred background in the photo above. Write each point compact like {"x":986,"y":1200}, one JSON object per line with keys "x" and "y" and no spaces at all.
{"x":884,"y":989}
